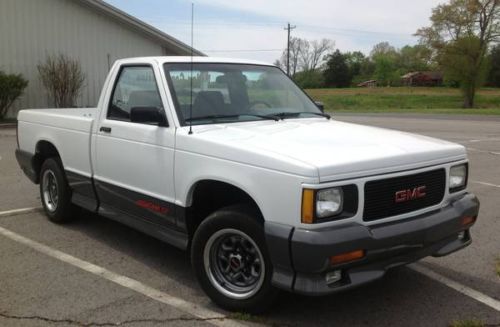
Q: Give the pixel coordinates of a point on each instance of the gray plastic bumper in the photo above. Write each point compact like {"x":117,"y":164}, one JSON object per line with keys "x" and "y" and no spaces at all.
{"x":301,"y":257}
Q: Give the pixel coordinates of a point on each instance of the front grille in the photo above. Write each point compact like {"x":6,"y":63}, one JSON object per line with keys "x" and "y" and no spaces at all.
{"x":380,"y":195}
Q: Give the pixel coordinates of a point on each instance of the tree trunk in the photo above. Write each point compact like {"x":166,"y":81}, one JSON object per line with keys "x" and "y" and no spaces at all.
{"x":469,"y":96}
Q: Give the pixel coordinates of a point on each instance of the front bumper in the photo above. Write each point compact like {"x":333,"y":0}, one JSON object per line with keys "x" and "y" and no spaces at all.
{"x":301,"y":257}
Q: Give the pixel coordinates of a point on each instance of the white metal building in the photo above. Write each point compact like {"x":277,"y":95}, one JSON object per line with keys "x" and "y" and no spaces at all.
{"x":91,"y":31}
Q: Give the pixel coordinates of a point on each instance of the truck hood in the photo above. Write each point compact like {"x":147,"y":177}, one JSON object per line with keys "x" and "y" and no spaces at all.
{"x":328,"y":149}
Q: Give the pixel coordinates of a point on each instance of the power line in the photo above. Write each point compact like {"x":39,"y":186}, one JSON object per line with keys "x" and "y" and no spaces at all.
{"x":335,"y":30}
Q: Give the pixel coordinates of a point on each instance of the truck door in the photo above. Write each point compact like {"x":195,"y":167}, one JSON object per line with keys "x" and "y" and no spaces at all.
{"x":134,"y":158}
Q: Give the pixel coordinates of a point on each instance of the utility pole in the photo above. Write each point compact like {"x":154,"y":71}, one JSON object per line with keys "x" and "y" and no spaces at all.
{"x":289,"y":28}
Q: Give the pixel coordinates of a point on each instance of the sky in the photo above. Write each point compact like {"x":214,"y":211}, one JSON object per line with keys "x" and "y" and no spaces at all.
{"x":254,"y":29}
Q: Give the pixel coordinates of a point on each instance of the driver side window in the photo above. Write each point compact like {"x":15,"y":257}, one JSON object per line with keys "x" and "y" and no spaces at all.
{"x":135,"y":87}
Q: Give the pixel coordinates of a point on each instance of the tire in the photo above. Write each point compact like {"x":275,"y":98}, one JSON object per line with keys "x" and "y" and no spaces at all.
{"x":55,"y":192}
{"x":230,"y":259}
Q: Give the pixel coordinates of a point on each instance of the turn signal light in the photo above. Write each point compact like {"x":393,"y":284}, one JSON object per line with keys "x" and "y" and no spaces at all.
{"x":308,"y":207}
{"x":468,"y":220}
{"x":347,"y":257}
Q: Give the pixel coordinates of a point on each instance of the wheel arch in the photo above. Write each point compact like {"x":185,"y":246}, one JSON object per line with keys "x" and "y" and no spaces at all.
{"x":206,"y":196}
{"x":44,"y":149}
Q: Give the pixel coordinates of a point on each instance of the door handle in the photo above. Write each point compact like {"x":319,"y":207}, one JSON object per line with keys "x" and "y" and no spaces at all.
{"x":105,"y":129}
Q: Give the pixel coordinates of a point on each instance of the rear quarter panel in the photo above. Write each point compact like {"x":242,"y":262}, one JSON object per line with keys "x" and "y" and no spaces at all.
{"x":67,"y":129}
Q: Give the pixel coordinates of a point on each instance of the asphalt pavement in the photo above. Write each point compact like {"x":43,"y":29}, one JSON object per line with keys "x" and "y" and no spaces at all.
{"x":97,"y":272}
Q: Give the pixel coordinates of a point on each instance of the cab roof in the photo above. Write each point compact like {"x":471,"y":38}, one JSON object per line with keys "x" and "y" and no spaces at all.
{"x":187,"y":59}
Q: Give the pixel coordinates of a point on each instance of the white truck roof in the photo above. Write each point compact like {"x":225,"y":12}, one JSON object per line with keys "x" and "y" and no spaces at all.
{"x":187,"y":59}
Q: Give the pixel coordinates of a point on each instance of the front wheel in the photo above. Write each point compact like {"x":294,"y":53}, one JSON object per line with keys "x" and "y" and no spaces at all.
{"x":230,"y":259}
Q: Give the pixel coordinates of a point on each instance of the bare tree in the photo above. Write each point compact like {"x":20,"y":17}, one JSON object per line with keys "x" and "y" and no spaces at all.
{"x":295,"y":51}
{"x":312,"y":53}
{"x":63,"y":78}
{"x":296,"y":45}
{"x":306,"y":55}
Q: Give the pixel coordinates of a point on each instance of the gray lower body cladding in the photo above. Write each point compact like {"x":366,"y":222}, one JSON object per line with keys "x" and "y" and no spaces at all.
{"x":26,"y":162}
{"x":301,"y":257}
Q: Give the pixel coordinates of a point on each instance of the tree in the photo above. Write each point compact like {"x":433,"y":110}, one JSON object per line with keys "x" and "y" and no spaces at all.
{"x":415,"y":58}
{"x":494,"y":75}
{"x":310,"y":79}
{"x":385,"y":70}
{"x":312,"y":53}
{"x":337,"y":73}
{"x":355,"y":61}
{"x":11,"y":88}
{"x":367,"y":71}
{"x":63,"y":78}
{"x":383,"y":49}
{"x":460,"y":35}
{"x":385,"y":59}
{"x":296,"y":45}
{"x":305,"y":55}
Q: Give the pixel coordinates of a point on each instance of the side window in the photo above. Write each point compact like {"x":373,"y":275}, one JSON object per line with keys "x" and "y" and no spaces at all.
{"x":136,"y":87}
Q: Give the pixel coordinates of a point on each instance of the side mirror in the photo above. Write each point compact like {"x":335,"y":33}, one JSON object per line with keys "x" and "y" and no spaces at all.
{"x":148,"y":115}
{"x":320,"y":105}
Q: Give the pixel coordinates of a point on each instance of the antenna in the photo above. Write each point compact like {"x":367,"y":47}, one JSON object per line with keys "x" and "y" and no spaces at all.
{"x":191,"y":75}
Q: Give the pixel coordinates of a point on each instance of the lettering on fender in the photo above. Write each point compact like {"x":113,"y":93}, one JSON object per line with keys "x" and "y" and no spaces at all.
{"x":410,"y":194}
{"x":152,"y":206}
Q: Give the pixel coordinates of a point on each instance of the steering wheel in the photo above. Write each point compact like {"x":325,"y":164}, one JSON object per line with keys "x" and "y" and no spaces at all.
{"x":254,"y":103}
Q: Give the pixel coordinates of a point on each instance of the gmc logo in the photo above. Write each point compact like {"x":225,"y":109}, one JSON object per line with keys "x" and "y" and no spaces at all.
{"x":410,"y":194}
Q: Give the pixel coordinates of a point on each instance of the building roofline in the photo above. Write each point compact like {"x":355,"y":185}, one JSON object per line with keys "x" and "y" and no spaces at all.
{"x":144,"y":27}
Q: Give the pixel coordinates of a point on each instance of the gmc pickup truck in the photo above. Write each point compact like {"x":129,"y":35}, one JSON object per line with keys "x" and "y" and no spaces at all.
{"x":230,"y":160}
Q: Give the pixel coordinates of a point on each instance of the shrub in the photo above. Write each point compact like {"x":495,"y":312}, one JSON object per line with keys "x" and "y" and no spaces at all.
{"x":63,"y":79}
{"x":11,"y":88}
{"x":311,"y":79}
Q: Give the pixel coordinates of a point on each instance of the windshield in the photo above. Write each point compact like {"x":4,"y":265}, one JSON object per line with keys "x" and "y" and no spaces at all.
{"x":234,"y":93}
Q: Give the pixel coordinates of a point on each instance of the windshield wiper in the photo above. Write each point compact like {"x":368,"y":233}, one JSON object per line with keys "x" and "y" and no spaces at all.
{"x":284,"y":115}
{"x":213,"y":117}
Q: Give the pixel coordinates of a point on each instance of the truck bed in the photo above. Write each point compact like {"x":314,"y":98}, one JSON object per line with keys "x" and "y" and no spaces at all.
{"x":68,"y":130}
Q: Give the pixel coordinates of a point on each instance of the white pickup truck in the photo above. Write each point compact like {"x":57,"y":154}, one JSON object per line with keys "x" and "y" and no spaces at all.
{"x":230,"y":160}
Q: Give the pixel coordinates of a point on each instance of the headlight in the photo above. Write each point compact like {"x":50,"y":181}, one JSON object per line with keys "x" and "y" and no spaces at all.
{"x":458,"y":178}
{"x":329,"y":202}
{"x":319,"y":206}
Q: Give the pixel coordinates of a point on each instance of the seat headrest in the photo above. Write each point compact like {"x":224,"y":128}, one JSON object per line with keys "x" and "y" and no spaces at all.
{"x":208,"y":103}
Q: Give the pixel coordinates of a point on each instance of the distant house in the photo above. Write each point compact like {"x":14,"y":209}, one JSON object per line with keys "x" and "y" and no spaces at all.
{"x":422,"y":79}
{"x":370,"y":83}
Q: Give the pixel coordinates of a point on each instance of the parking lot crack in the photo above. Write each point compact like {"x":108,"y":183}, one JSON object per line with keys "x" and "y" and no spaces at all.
{"x":72,"y":322}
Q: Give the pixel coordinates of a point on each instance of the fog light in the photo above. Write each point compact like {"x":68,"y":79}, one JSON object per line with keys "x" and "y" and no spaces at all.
{"x":333,"y":276}
{"x":461,"y":235}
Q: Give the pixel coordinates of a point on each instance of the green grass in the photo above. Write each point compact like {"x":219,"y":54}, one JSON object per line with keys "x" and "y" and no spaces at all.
{"x":467,"y":323}
{"x":438,"y":100}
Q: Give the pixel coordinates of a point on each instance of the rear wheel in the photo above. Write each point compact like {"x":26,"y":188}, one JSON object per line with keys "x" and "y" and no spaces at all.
{"x":55,"y":192}
{"x":230,"y":259}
